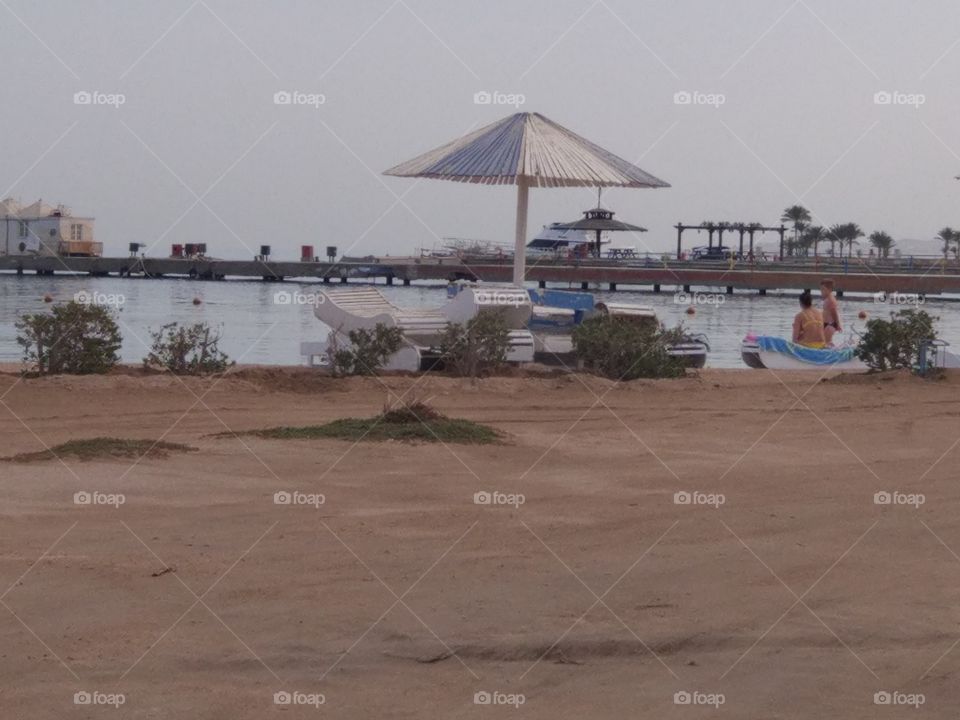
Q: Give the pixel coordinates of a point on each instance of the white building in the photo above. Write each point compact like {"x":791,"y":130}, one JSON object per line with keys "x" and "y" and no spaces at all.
{"x":41,"y":229}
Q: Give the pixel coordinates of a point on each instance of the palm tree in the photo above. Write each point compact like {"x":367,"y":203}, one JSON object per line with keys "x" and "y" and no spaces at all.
{"x":882,"y":242}
{"x":813,"y":236}
{"x":799,"y":216}
{"x":950,"y":237}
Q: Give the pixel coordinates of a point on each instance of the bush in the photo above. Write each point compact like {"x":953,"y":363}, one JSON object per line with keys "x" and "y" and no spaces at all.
{"x":622,"y":349}
{"x":478,"y":347}
{"x":895,"y":343}
{"x":369,"y":350}
{"x":189,"y":350}
{"x":75,"y":338}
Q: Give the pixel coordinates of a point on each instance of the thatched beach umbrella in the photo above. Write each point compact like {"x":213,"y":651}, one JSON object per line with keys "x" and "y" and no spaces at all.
{"x":526,"y":150}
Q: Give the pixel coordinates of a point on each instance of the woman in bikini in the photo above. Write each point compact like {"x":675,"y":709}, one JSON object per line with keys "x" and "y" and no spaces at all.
{"x":808,"y":324}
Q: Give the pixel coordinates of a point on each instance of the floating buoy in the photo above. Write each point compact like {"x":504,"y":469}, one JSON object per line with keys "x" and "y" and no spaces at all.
{"x":691,"y":310}
{"x":862,"y":314}
{"x":197,"y":301}
{"x":48,"y":298}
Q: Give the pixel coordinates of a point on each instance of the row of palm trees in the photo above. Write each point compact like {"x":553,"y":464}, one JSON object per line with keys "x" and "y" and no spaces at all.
{"x":951,"y":242}
{"x":807,"y":237}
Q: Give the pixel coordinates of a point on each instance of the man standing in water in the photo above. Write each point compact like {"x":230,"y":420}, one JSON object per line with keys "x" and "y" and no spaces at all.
{"x":831,"y":311}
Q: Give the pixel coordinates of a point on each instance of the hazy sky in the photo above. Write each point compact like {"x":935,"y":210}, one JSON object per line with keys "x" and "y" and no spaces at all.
{"x":798,"y":121}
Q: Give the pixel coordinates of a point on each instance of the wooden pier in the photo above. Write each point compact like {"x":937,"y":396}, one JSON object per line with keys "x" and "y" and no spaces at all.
{"x":927,"y":277}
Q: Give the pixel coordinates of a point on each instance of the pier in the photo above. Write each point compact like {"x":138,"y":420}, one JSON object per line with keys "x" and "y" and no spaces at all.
{"x":922,"y":276}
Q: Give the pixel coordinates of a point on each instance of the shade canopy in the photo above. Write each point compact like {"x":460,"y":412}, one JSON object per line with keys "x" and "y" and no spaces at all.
{"x":527,"y":150}
{"x":600,"y":220}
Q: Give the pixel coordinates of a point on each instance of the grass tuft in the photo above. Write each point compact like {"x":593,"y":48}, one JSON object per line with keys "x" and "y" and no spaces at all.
{"x":101,"y":448}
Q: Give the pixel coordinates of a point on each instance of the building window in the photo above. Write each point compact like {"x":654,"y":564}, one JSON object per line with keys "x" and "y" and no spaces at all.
{"x":23,"y":230}
{"x":76,"y":232}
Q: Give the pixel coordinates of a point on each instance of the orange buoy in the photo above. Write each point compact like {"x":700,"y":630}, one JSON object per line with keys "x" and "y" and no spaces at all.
{"x":197,"y":301}
{"x":691,"y":310}
{"x":48,"y":298}
{"x":862,"y":314}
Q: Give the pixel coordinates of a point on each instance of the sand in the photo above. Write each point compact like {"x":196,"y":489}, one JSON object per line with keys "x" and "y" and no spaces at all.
{"x":599,"y":596}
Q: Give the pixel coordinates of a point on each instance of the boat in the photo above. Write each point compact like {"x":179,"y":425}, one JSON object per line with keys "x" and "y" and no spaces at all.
{"x":553,"y":240}
{"x":776,"y":353}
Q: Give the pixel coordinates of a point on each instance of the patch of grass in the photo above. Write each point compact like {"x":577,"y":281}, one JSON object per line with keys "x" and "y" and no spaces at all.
{"x":102,"y":448}
{"x":407,"y":423}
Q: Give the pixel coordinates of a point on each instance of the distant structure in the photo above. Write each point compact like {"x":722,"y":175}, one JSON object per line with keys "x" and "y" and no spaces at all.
{"x":41,"y":229}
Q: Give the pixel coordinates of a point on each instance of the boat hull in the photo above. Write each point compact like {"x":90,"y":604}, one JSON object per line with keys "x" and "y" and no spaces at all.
{"x":753,"y":356}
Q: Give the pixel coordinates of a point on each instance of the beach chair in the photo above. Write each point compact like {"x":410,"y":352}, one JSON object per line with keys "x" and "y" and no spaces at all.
{"x":346,"y":310}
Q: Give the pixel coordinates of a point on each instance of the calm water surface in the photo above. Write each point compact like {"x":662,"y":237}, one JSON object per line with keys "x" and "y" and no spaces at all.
{"x":256,"y":329}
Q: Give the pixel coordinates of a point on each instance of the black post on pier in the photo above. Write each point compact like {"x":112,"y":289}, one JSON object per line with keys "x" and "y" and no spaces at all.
{"x":782,"y":230}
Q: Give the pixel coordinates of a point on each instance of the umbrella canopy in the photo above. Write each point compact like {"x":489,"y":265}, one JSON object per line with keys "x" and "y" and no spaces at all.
{"x":600,"y":221}
{"x":526,"y":150}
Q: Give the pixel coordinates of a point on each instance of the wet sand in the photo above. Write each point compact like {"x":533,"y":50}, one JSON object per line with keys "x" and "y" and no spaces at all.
{"x":794,"y":594}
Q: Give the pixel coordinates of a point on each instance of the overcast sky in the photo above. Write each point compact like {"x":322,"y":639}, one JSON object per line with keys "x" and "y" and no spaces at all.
{"x":787,"y":112}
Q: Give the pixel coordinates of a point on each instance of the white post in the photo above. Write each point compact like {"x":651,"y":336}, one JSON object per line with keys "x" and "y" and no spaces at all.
{"x":520,"y":248}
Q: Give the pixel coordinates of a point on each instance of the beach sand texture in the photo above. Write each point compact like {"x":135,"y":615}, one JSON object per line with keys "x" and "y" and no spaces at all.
{"x":400,"y":597}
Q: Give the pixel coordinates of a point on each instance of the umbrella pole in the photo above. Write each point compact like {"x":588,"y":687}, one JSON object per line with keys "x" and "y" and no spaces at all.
{"x":520,"y":248}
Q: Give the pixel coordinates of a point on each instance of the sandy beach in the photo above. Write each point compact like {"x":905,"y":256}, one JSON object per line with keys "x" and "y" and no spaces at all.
{"x":783,"y":589}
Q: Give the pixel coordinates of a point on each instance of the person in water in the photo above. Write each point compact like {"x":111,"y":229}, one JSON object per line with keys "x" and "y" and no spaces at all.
{"x":808,"y":324}
{"x":831,"y":311}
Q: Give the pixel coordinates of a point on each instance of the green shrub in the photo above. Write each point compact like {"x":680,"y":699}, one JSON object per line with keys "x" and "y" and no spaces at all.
{"x":368,"y":351}
{"x":477,"y":348}
{"x":75,"y":338}
{"x":191,"y":350}
{"x":623,"y":349}
{"x":895,"y":343}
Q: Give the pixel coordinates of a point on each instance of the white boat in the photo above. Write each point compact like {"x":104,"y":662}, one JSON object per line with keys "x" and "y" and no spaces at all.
{"x":775,"y":353}
{"x":553,"y":241}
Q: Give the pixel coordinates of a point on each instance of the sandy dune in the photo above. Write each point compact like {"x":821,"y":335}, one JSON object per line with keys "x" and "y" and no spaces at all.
{"x":599,"y":596}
